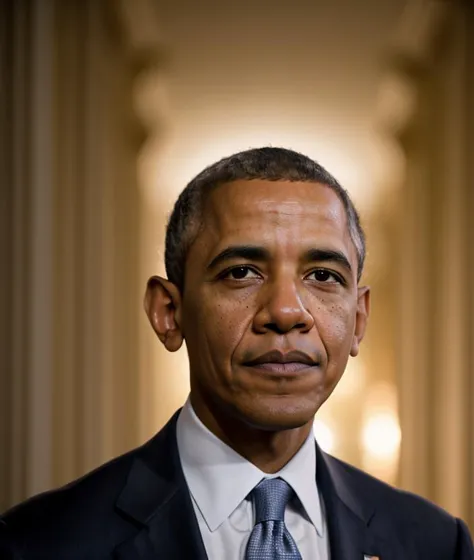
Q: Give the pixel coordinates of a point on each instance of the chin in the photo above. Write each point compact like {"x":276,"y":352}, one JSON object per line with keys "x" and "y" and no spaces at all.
{"x":280,"y":413}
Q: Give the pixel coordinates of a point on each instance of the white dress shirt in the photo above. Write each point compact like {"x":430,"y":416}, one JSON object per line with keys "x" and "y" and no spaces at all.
{"x":220,"y":480}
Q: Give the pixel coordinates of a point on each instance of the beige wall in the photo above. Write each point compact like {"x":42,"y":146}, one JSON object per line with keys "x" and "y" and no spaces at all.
{"x":434,"y":249}
{"x":70,"y":290}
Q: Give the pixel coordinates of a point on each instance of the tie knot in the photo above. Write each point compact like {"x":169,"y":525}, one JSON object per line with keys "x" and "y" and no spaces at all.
{"x":270,"y":498}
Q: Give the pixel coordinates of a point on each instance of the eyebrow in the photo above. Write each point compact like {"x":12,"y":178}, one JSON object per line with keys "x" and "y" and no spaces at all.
{"x":247,"y":252}
{"x":256,"y":253}
{"x":326,"y":255}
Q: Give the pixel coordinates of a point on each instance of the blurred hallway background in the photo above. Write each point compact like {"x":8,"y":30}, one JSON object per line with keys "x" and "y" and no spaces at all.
{"x":108,"y":108}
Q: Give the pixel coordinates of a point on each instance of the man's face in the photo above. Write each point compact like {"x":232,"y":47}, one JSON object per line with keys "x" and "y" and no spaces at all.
{"x":271,"y":309}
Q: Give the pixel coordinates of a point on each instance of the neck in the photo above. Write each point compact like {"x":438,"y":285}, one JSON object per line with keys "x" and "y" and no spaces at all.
{"x":269,"y":450}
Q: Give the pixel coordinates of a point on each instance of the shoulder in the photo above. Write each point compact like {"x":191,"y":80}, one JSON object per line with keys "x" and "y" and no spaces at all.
{"x":385,"y":497}
{"x":78,"y":517}
{"x":404,"y":513}
{"x":84,"y":519}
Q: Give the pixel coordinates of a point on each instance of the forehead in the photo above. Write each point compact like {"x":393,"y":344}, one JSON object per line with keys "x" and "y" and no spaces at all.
{"x":301,"y":210}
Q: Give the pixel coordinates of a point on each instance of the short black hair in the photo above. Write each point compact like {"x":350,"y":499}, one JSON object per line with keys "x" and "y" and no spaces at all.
{"x":269,"y":164}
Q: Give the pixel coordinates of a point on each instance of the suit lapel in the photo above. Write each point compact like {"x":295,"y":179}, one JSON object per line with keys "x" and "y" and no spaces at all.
{"x":346,"y":527}
{"x":351,"y":519}
{"x":156,"y":499}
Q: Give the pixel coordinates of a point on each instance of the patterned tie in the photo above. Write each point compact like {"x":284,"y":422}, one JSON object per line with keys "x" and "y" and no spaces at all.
{"x":270,"y":539}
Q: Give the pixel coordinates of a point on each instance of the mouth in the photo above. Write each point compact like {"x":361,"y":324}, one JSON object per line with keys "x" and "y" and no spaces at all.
{"x":278,"y":363}
{"x":274,"y":367}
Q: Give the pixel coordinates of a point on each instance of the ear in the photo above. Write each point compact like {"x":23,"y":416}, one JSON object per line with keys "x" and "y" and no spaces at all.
{"x":362,"y":314}
{"x":163,"y":307}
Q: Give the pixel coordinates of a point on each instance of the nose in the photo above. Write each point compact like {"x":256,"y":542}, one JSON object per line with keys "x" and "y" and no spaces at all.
{"x":282,"y":309}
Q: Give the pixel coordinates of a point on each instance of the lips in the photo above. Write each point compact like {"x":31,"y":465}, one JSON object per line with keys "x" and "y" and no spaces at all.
{"x":277,"y":362}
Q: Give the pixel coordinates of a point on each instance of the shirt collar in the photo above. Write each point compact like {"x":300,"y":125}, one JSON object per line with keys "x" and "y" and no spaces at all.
{"x":219,"y":478}
{"x":300,"y":474}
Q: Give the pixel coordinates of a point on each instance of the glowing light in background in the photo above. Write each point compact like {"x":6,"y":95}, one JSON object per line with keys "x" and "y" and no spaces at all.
{"x":381,"y":435}
{"x":183,"y":157}
{"x":324,"y":435}
{"x":335,"y":159}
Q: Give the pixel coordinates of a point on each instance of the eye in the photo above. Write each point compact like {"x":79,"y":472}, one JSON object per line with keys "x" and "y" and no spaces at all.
{"x":240,"y":273}
{"x":325,"y":276}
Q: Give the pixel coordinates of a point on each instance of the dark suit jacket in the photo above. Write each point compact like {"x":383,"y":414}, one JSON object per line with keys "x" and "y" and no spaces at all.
{"x":138,"y":507}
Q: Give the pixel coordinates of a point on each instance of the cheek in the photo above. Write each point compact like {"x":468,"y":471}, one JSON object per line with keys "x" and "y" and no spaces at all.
{"x":336,"y":323}
{"x":216,"y":326}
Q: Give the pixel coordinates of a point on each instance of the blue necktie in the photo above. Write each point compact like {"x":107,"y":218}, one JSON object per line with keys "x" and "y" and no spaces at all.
{"x":270,"y":539}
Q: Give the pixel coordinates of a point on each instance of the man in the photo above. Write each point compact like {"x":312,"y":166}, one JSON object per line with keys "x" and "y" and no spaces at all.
{"x":264,"y":252}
